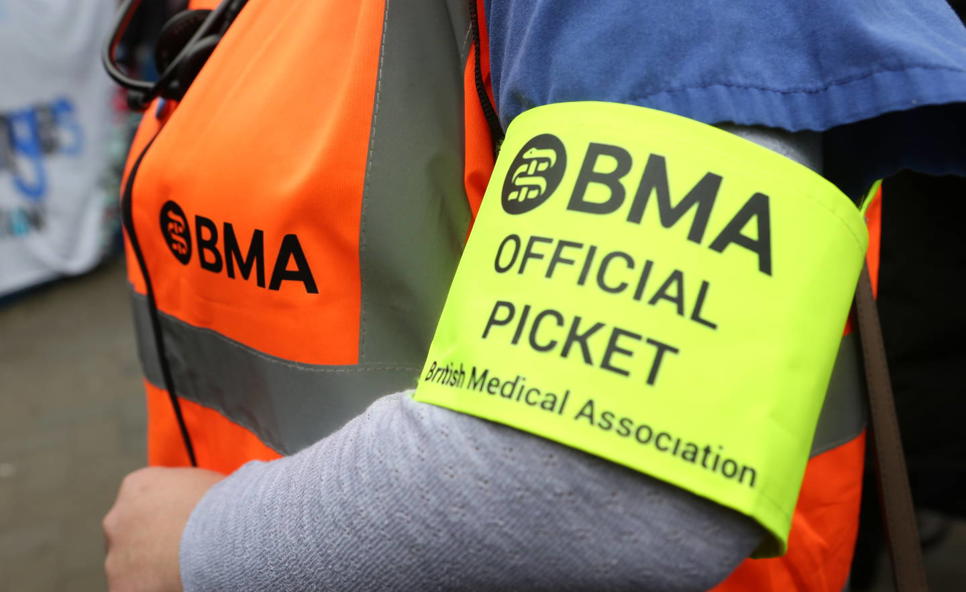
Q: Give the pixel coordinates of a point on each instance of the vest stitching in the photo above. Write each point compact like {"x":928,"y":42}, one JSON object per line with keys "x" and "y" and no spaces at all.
{"x":366,"y":185}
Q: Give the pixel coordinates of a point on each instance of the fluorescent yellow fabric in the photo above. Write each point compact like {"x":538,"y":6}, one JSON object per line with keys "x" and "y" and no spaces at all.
{"x":657,"y":292}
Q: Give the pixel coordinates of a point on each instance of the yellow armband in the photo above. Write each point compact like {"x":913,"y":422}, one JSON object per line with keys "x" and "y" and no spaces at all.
{"x":656,"y":292}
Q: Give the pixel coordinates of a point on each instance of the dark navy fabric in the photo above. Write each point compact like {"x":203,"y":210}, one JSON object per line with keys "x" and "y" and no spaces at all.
{"x":790,"y":64}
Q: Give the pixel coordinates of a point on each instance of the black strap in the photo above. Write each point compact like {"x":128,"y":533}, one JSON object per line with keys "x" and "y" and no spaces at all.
{"x":127,"y":210}
{"x":898,"y":515}
{"x":492,"y":120}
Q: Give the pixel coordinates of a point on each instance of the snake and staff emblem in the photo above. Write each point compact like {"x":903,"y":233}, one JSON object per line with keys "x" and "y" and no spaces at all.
{"x":534,"y":174}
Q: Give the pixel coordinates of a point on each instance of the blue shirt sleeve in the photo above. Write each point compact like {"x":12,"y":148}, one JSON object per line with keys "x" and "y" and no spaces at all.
{"x":792,"y":64}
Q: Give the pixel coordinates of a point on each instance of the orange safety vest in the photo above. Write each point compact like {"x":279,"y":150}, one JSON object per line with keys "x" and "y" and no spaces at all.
{"x":292,"y":227}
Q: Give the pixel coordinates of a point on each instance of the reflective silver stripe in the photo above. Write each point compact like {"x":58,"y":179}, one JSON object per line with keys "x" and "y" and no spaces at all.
{"x":291,"y":405}
{"x":414,"y":209}
{"x":844,"y":412}
{"x":287,"y":404}
{"x":147,"y":350}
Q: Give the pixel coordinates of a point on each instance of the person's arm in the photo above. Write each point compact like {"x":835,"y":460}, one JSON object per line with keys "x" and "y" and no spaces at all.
{"x":415,"y":497}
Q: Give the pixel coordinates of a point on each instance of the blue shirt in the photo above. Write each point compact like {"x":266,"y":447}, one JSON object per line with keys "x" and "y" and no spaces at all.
{"x":796,"y":65}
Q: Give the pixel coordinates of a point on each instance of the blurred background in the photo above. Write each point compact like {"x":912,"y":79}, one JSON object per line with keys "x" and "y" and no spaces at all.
{"x":71,"y":408}
{"x":71,"y":405}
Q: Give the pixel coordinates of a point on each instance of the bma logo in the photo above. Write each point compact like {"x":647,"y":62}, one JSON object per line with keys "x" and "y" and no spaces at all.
{"x":225,"y":254}
{"x":174,"y":227}
{"x":534,"y":174}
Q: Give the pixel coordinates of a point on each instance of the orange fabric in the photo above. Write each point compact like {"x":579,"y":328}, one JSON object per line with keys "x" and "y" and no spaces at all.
{"x":823,"y":530}
{"x":147,"y":128}
{"x":219,"y":443}
{"x":134,"y":276}
{"x":873,"y":220}
{"x":479,"y":145}
{"x":151,"y":122}
{"x":300,"y":172}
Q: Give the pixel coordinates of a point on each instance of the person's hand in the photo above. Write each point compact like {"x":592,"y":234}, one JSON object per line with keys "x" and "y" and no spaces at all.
{"x":143,"y":529}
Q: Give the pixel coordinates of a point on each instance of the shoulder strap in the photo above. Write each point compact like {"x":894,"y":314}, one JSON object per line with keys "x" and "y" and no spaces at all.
{"x":898,"y":516}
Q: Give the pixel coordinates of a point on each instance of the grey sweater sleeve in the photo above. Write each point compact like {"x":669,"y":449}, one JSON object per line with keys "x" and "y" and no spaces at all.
{"x":409,"y":496}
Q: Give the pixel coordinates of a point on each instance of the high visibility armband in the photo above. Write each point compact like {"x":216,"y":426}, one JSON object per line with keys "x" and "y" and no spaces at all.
{"x":656,"y":292}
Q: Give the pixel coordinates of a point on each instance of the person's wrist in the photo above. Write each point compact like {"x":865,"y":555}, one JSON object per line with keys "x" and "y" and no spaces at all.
{"x":143,"y":529}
